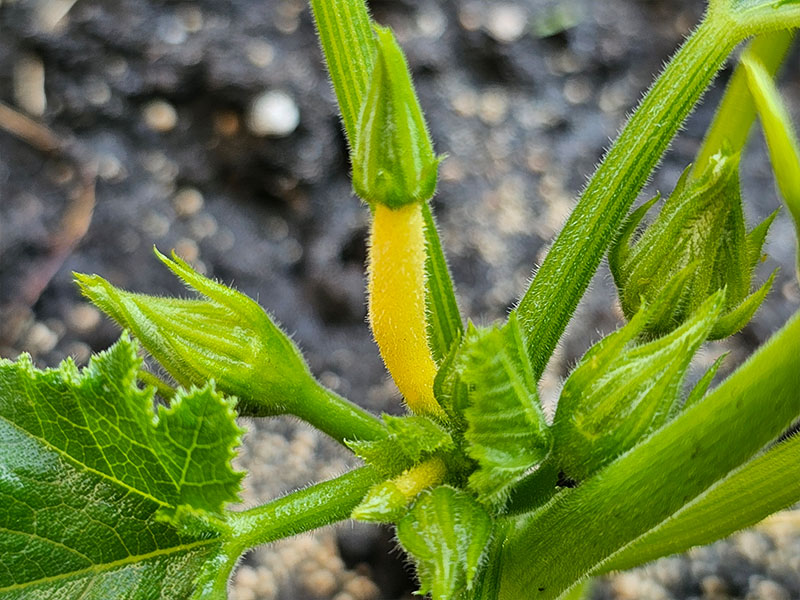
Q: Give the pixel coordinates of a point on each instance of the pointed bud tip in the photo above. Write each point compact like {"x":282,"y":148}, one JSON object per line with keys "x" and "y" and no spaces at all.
{"x":393,"y":158}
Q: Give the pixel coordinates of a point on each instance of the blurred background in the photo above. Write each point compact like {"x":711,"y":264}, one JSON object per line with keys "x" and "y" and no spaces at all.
{"x":210,"y":127}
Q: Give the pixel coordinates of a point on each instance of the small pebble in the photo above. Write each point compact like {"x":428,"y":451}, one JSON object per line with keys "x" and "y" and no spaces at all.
{"x":493,"y":107}
{"x":160,"y":116}
{"x":713,"y":586}
{"x":203,"y":226}
{"x":768,"y":590}
{"x":260,"y":53}
{"x":273,"y":113}
{"x":155,"y":225}
{"x":320,"y":583}
{"x":40,"y":339}
{"x":97,"y":91}
{"x":191,"y":18}
{"x":226,"y":123}
{"x":187,"y":249}
{"x":187,"y":202}
{"x":52,"y":14}
{"x":577,"y":90}
{"x":362,"y":588}
{"x":83,"y":318}
{"x":29,"y":92}
{"x":79,"y":352}
{"x":506,"y":22}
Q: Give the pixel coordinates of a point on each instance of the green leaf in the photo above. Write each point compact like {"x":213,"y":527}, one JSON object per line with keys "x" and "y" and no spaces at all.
{"x":445,"y":326}
{"x":621,"y":392}
{"x":393,"y":159}
{"x":229,"y":338}
{"x":446,"y":533}
{"x":507,"y":433}
{"x":94,"y":481}
{"x":763,"y":486}
{"x":410,"y":439}
{"x":565,"y":540}
{"x":784,"y":149}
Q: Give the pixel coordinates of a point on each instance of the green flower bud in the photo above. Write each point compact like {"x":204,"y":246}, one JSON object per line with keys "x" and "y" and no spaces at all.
{"x":229,"y":338}
{"x":226,"y":337}
{"x":621,"y":391}
{"x":696,"y":246}
{"x":393,"y":159}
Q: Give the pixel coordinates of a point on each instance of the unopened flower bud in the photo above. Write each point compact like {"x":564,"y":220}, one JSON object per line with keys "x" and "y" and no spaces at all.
{"x":393,"y":159}
{"x":696,"y":246}
{"x":225,"y":337}
{"x":621,"y":391}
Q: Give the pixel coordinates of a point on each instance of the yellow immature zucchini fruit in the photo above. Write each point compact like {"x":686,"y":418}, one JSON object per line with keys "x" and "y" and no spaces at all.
{"x":396,"y":288}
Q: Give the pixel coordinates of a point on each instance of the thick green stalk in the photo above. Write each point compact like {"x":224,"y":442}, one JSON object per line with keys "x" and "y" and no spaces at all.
{"x":554,"y":293}
{"x":313,"y":507}
{"x":737,"y":111}
{"x":763,"y":486}
{"x":343,"y":28}
{"x":557,"y":545}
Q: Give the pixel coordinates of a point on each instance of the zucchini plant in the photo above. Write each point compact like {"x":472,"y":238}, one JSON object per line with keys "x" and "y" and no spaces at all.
{"x":108,"y":493}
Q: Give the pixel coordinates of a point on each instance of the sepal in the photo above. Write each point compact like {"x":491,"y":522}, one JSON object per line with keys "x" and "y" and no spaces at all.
{"x":447,"y":534}
{"x":507,"y":433}
{"x":411,"y":439}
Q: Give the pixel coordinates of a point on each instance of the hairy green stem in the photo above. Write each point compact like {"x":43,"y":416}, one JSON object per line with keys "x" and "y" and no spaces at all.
{"x":737,"y":111}
{"x":338,"y":417}
{"x":315,"y":506}
{"x":304,"y":510}
{"x":343,"y":28}
{"x":556,"y":289}
{"x":163,"y":389}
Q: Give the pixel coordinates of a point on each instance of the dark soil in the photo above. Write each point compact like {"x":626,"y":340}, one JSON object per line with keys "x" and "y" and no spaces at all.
{"x":154,"y":97}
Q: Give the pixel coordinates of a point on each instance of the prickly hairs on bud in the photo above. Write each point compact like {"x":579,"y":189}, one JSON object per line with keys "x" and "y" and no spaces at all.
{"x":224,"y":336}
{"x":621,"y":391}
{"x":696,"y":246}
{"x":393,"y":159}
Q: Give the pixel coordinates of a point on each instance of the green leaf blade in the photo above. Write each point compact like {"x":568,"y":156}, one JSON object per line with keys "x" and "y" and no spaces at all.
{"x":93,"y":481}
{"x":507,"y":433}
